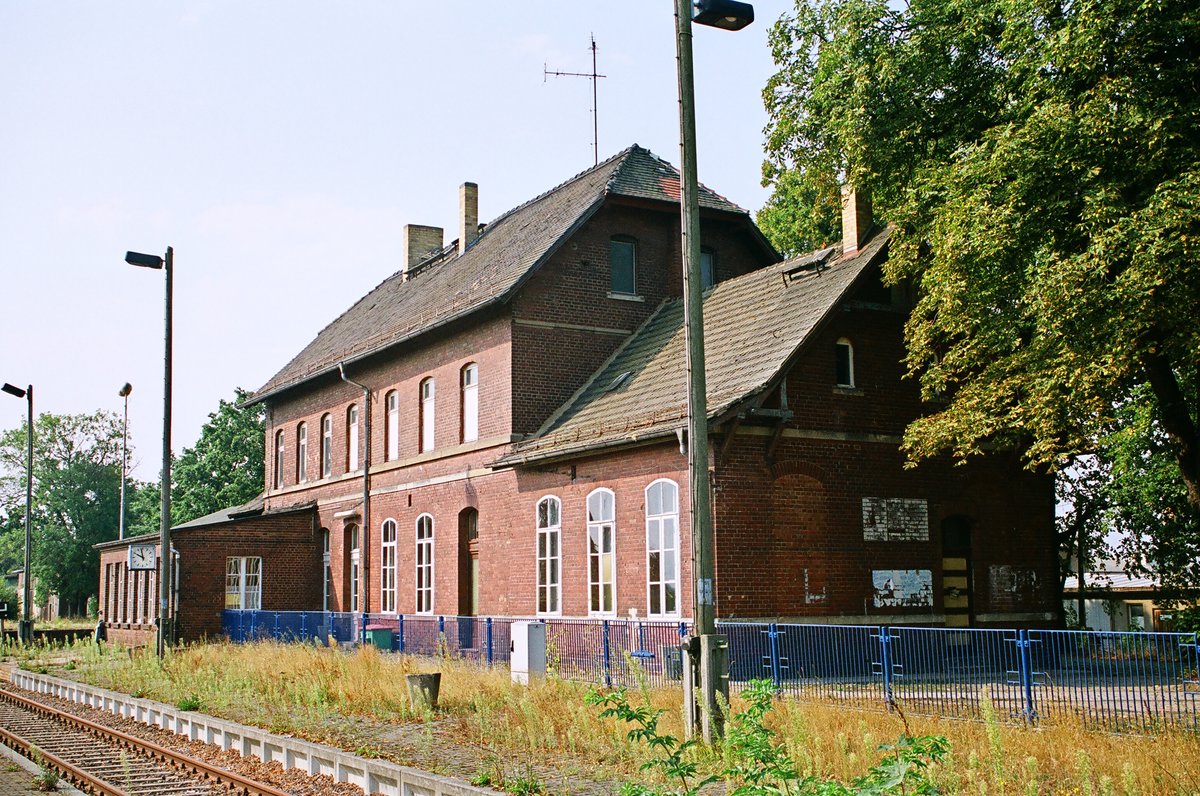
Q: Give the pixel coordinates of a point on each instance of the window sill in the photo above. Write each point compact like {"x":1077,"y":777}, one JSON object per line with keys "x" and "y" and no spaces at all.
{"x":626,"y":297}
{"x":844,"y":390}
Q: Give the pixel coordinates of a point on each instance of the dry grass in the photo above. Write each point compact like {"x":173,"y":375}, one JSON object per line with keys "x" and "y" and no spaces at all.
{"x":308,"y":690}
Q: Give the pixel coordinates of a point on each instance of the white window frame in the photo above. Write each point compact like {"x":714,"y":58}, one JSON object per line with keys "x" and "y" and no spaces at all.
{"x":352,"y":438}
{"x":327,"y":578}
{"x":605,"y":530}
{"x":849,"y":347}
{"x":302,"y":453}
{"x":428,"y":418}
{"x":243,"y":583}
{"x":424,"y":565}
{"x":391,"y":403}
{"x":662,"y":537}
{"x":470,"y":402}
{"x":387,"y":566}
{"x":548,"y":599}
{"x":326,"y":445}
{"x":355,"y":566}
{"x":279,"y":459}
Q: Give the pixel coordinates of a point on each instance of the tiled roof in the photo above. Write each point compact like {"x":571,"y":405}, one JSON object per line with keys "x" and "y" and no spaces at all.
{"x":753,"y":324}
{"x":508,"y":249}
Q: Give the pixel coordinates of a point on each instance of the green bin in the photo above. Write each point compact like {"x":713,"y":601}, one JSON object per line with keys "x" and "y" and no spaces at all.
{"x":380,"y":636}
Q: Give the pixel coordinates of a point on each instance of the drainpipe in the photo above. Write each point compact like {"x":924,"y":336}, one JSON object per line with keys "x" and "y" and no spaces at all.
{"x":366,"y":494}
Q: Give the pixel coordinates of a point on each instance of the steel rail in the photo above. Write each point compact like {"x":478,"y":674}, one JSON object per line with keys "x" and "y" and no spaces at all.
{"x":189,"y":765}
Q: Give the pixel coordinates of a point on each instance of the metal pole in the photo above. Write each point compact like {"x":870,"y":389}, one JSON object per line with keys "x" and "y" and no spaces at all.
{"x":124,"y":461}
{"x":165,"y":562}
{"x":713,"y":669}
{"x":26,"y":627}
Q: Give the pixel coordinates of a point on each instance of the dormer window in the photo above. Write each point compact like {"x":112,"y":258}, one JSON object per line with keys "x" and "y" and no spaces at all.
{"x":844,"y":357}
{"x":708,"y":268}
{"x":622,"y":263}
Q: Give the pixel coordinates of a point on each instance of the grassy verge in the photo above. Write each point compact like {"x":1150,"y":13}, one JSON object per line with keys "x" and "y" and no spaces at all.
{"x":345,"y":699}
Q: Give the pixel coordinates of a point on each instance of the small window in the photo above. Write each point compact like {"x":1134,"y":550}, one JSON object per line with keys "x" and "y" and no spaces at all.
{"x":707,"y":268}
{"x":352,"y":438}
{"x":427,"y":416}
{"x":622,"y":263}
{"x":279,"y":458}
{"x":844,"y":353}
{"x":326,"y":446}
{"x":243,"y":583}
{"x":470,"y":403}
{"x":392,"y":423}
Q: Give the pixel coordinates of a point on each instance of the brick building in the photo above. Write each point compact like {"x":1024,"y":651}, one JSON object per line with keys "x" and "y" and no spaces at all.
{"x":514,"y":404}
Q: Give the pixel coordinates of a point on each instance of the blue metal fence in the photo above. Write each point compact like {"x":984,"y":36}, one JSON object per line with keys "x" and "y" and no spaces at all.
{"x":1125,"y":682}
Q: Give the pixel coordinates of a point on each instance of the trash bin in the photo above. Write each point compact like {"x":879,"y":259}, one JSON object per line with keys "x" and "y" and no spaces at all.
{"x":380,"y":636}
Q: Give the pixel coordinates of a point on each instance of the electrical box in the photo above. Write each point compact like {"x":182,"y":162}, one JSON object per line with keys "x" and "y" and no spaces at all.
{"x":528,"y":651}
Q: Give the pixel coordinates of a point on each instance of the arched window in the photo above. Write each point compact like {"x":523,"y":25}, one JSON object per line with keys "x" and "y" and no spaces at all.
{"x":302,"y":453}
{"x":844,"y":353}
{"x":424,"y":579}
{"x":391,"y":424}
{"x":279,"y":457}
{"x":470,"y":403}
{"x":327,"y":580}
{"x":622,"y":264}
{"x":602,"y":531}
{"x":326,"y":446}
{"x":427,"y":415}
{"x":387,"y":564}
{"x":355,"y":565}
{"x":662,"y":548}
{"x":549,"y":555}
{"x":352,"y":438}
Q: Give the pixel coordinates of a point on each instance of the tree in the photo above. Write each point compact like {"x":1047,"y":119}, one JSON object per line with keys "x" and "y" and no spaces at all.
{"x":1040,"y":162}
{"x":225,"y":466}
{"x":76,"y":488}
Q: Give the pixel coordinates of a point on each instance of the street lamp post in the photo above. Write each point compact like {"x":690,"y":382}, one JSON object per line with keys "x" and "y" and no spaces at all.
{"x":25,"y":628}
{"x":124,"y":393}
{"x":165,"y":559}
{"x":712,"y":668}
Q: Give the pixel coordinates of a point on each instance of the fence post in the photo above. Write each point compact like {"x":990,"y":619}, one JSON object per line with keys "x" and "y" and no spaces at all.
{"x":885,"y":657}
{"x":400,"y":630}
{"x":773,"y":636}
{"x":489,"y":641}
{"x":607,"y":655}
{"x":1026,"y":669}
{"x":275,"y":632}
{"x":304,"y":625}
{"x":362,"y":631}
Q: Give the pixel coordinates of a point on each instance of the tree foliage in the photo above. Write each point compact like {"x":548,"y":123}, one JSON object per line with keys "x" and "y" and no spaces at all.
{"x":76,"y":488}
{"x":225,"y":466}
{"x":1041,"y":164}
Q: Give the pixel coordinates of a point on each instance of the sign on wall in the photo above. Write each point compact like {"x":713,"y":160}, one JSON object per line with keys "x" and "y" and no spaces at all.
{"x":895,"y":519}
{"x":902,"y":588}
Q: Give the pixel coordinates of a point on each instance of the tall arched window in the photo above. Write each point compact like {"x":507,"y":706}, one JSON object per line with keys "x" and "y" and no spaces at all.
{"x":844,"y":353}
{"x":602,"y":531}
{"x":549,"y":555}
{"x":427,"y":415}
{"x":424,"y":579}
{"x":279,"y":458}
{"x":387,"y":565}
{"x":302,"y":453}
{"x":391,"y":424}
{"x":352,"y":438}
{"x":326,"y":446}
{"x":662,"y":548}
{"x":327,"y":579}
{"x":470,"y":403}
{"x":355,"y":565}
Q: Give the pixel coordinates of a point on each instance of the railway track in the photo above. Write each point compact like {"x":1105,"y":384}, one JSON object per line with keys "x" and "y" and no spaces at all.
{"x":105,"y":761}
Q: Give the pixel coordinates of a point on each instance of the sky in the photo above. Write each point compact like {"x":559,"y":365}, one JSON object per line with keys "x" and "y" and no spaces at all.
{"x":280,"y":148}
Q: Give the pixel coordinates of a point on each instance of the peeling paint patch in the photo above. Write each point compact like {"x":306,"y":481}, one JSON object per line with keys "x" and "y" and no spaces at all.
{"x":895,"y":519}
{"x":811,"y":596}
{"x":902,"y":588}
{"x":1011,"y":585}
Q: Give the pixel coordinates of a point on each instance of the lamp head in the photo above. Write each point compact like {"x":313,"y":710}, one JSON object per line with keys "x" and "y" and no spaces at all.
{"x":144,"y":260}
{"x":125,"y":390}
{"x":724,"y":14}
{"x":11,"y":390}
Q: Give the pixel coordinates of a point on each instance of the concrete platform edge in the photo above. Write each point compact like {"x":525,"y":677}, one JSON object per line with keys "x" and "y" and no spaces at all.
{"x":373,"y":776}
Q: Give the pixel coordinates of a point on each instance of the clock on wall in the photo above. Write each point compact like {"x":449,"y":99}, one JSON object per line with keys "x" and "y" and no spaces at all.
{"x":141,"y":556}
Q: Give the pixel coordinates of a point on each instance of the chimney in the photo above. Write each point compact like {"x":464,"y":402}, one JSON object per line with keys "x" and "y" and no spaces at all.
{"x":468,"y":215}
{"x":857,"y":219}
{"x":420,"y":242}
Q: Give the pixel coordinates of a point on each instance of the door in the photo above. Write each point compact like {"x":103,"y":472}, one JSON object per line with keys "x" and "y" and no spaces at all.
{"x":956,"y":572}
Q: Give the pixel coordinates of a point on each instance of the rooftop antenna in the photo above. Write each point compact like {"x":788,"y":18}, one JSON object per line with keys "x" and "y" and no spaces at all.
{"x":594,"y":77}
